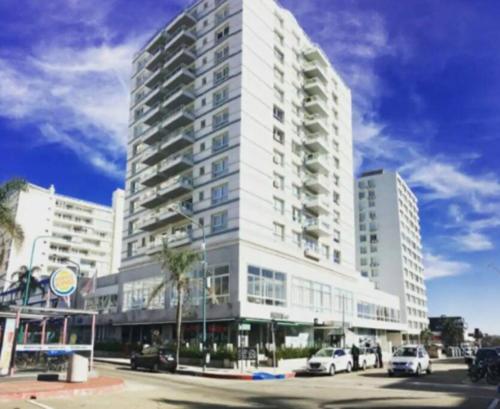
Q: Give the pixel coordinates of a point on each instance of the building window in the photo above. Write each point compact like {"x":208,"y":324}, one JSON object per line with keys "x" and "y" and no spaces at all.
{"x":219,"y":193}
{"x":278,"y":75}
{"x":266,"y":286}
{"x":279,"y":182}
{"x":136,"y":295}
{"x":218,"y":292}
{"x":221,"y":15}
{"x":220,"y":142}
{"x":336,"y":256}
{"x":220,"y":119}
{"x":279,"y":94}
{"x":297,"y":238}
{"x":219,"y":167}
{"x":296,"y":191}
{"x":311,"y":295}
{"x":221,"y":54}
{"x":219,"y":222}
{"x":279,"y":231}
{"x":220,"y":96}
{"x":336,"y":236}
{"x":296,"y":214}
{"x":279,"y":158}
{"x":221,"y":74}
{"x":278,"y":135}
{"x":278,"y":113}
{"x":221,"y":34}
{"x":279,"y":55}
{"x":279,"y":206}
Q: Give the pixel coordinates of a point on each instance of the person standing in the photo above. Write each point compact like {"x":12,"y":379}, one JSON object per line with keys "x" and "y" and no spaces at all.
{"x":379,"y":356}
{"x":355,"y":357}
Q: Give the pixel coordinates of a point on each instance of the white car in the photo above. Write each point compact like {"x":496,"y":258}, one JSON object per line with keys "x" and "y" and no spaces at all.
{"x":410,"y":359}
{"x":367,"y":358}
{"x":330,"y":361}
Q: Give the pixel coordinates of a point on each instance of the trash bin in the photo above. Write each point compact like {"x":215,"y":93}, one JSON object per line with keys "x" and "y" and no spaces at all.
{"x":78,"y":369}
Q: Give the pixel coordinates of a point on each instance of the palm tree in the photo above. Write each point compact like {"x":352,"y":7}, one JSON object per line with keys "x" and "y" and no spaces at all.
{"x":21,"y":282}
{"x":8,"y":225}
{"x":176,"y":264}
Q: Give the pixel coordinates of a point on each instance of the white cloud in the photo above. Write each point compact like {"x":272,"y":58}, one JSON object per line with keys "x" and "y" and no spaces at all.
{"x":436,"y":266}
{"x":473,"y":241}
{"x":79,"y":93}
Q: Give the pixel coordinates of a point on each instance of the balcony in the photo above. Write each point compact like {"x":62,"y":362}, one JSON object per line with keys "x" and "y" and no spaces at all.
{"x":316,"y":105}
{"x":167,"y":147}
{"x":317,"y":183}
{"x":181,"y":56}
{"x":157,"y":41}
{"x":152,"y":115}
{"x":316,"y":55}
{"x":317,"y":162}
{"x":314,"y":86}
{"x":184,"y":19}
{"x":178,"y":118}
{"x":181,"y":96}
{"x":155,"y":60}
{"x":171,"y":189}
{"x":183,"y":37}
{"x":154,"y":97}
{"x":316,"y":142}
{"x":166,"y":216}
{"x":317,"y":226}
{"x":181,"y":75}
{"x":314,"y":69}
{"x":316,"y":123}
{"x":312,"y":253}
{"x":155,"y":78}
{"x":179,"y":238}
{"x":317,"y":204}
{"x":176,"y":164}
{"x":154,"y":134}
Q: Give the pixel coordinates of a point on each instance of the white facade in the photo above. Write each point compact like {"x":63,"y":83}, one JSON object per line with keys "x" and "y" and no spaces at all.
{"x":389,"y":248}
{"x":83,"y":232}
{"x":240,"y":120}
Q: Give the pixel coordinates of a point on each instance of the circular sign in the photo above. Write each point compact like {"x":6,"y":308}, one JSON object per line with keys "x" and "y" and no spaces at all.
{"x":63,"y":282}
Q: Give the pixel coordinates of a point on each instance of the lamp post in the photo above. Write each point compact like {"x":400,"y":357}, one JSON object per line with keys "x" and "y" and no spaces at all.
{"x":28,"y":280}
{"x":204,"y":270}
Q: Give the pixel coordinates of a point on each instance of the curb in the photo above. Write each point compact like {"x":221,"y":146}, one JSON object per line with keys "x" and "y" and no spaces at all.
{"x":63,"y":393}
{"x":256,"y":376}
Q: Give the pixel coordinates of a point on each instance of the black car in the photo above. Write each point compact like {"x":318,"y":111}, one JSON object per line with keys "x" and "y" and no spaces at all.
{"x":487,"y":354}
{"x":154,"y":358}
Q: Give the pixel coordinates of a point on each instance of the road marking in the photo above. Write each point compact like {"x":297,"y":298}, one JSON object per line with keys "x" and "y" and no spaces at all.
{"x":40,"y":405}
{"x":493,"y":404}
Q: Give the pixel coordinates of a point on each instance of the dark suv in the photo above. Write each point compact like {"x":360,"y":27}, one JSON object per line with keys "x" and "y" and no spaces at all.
{"x":154,"y":358}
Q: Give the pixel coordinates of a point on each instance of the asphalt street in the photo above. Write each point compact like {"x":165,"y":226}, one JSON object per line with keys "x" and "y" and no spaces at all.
{"x":447,"y":387}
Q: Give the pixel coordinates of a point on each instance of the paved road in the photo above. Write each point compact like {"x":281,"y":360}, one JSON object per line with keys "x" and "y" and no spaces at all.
{"x":446,"y":388}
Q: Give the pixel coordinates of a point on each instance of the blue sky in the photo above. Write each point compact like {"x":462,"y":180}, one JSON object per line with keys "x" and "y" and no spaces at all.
{"x":425,"y":77}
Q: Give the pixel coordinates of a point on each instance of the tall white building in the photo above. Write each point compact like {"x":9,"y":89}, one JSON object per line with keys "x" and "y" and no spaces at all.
{"x":242,"y":123}
{"x":389,"y":248}
{"x":85,"y":233}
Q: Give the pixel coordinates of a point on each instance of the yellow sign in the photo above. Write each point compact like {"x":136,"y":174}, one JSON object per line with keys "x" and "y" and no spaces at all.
{"x":63,"y":282}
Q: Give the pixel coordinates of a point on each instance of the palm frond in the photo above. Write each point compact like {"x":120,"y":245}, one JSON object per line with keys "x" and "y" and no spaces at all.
{"x":9,"y":225}
{"x":156,"y":291}
{"x":12,"y":186}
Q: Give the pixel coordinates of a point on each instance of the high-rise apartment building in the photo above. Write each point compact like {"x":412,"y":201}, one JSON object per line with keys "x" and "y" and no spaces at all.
{"x":240,"y":122}
{"x":389,"y":249}
{"x":85,"y":233}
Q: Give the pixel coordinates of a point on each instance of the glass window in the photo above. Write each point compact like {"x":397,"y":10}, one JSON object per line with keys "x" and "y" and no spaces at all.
{"x":219,"y":142}
{"x":220,"y":119}
{"x":265,"y":286}
{"x":220,"y":96}
{"x":221,"y":74}
{"x":219,"y":221}
{"x":219,"y":193}
{"x":221,"y":34}
{"x":219,"y":167}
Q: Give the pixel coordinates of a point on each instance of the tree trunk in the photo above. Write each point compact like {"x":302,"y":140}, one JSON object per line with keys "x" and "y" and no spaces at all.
{"x":180,"y":294}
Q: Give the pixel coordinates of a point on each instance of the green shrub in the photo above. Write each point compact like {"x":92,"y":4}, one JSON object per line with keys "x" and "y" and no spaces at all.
{"x":292,"y":353}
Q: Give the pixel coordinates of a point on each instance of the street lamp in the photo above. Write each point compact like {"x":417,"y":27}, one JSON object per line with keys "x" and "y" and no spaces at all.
{"x":175,"y":208}
{"x":28,"y":280}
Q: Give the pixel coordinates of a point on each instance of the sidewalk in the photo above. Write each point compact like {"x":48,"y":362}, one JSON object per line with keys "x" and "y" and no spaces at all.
{"x":19,"y":389}
{"x":252,"y":374}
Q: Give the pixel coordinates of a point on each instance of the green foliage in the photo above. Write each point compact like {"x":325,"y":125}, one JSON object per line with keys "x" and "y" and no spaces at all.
{"x":293,"y":353}
{"x":7,"y":218}
{"x":451,"y":334}
{"x":426,"y":337}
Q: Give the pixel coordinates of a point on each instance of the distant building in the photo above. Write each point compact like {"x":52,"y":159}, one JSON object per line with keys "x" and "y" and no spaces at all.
{"x":83,"y":232}
{"x":389,"y":249}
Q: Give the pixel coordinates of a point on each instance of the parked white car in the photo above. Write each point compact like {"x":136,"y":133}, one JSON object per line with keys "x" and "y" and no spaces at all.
{"x":367,"y":358}
{"x":330,"y":361}
{"x":410,"y":359}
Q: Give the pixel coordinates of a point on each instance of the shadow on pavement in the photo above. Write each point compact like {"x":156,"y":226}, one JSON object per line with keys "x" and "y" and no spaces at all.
{"x":267,"y":402}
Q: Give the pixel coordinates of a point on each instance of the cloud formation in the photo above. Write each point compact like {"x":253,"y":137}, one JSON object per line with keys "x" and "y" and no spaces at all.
{"x":438,"y":267}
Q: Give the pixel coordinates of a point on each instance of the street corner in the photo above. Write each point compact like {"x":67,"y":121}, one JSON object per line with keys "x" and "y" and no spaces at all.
{"x":33,"y":389}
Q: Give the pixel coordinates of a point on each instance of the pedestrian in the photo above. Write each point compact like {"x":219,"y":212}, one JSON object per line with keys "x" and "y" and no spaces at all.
{"x":379,"y":356}
{"x":355,"y":357}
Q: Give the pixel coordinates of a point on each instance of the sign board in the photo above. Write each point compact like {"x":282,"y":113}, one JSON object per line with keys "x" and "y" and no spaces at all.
{"x":244,"y":327}
{"x":7,"y":345}
{"x":52,"y":348}
{"x":63,"y":282}
{"x":247,"y":354}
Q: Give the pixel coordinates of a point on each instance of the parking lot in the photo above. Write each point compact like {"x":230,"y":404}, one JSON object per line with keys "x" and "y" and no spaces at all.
{"x":447,"y":387}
